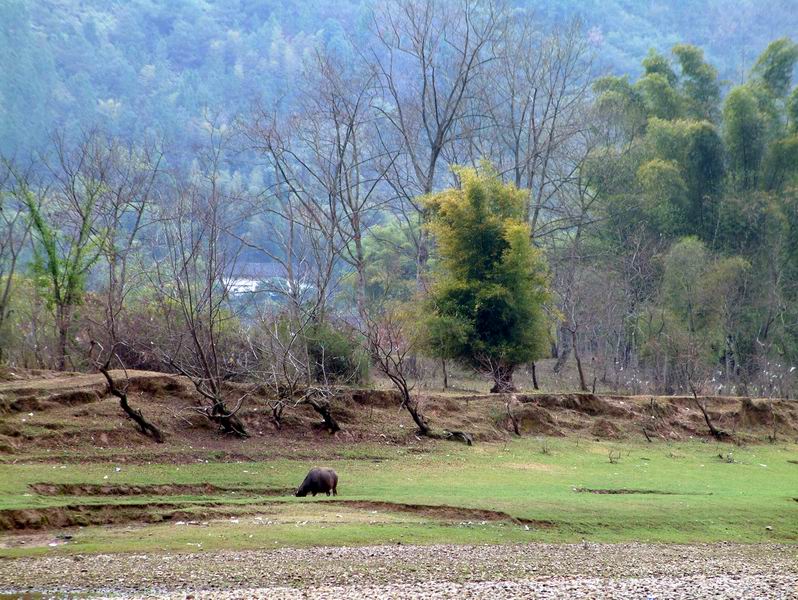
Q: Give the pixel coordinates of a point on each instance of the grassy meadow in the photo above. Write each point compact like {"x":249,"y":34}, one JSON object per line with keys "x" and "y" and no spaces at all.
{"x":681,"y":492}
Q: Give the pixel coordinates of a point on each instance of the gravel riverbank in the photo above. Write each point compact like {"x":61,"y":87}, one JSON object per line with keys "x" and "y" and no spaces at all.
{"x":436,"y":571}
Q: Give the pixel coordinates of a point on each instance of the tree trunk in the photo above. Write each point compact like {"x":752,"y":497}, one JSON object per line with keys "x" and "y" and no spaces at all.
{"x":323,"y":408}
{"x":564,"y":349}
{"x":277,"y":414}
{"x":418,"y":418}
{"x":229,"y":422}
{"x":502,"y":379}
{"x":445,"y":375}
{"x":63,"y":337}
{"x":360,"y":268}
{"x":716,"y":433}
{"x":534,"y":376}
{"x":582,"y":384}
{"x":511,"y":413}
{"x":411,"y":406}
{"x":422,"y":255}
{"x":146,"y":427}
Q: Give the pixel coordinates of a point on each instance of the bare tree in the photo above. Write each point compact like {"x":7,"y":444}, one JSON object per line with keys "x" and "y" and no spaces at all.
{"x":343,"y":106}
{"x":16,"y":193}
{"x":124,"y":211}
{"x":531,"y":106}
{"x":195,"y":258}
{"x":585,"y":163}
{"x":103,"y":366}
{"x":392,"y":339}
{"x":292,"y":366}
{"x":428,"y":57}
{"x":391,"y":342}
{"x":571,"y":220}
{"x":331,"y":158}
{"x":327,"y":172}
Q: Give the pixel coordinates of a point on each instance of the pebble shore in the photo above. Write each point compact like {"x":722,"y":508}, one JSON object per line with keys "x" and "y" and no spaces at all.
{"x":636,"y":570}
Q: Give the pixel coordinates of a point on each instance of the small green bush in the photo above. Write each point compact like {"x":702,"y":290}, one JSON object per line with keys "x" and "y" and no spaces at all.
{"x":336,"y":353}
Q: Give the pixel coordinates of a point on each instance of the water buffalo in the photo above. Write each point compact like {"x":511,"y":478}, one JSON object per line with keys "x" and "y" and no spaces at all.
{"x":319,"y":480}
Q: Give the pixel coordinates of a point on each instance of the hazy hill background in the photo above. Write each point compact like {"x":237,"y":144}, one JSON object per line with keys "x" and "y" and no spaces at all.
{"x":138,"y":67}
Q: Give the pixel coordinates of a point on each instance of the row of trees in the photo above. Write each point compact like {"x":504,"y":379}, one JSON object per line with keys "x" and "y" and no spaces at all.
{"x":132,"y":265}
{"x":666,"y":215}
{"x":698,"y":209}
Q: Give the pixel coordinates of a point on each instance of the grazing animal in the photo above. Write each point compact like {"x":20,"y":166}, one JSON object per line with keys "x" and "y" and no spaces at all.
{"x":317,"y":481}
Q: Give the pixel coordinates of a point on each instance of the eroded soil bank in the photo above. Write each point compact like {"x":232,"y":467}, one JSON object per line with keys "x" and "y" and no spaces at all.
{"x":63,"y":418}
{"x":81,"y":515}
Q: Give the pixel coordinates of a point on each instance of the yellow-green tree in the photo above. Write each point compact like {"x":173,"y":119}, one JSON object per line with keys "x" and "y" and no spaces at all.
{"x":491,"y":282}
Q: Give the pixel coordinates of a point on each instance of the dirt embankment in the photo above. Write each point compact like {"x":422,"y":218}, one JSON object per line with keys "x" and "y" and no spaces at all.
{"x":80,"y":515}
{"x":72,"y":415}
{"x":169,"y":489}
{"x":76,"y":389}
{"x":443,"y":512}
{"x":652,"y":417}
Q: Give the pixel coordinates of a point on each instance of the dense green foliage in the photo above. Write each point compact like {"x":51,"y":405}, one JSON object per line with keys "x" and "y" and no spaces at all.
{"x":336,"y":354}
{"x":488,"y":295}
{"x":708,"y":186}
{"x":153,"y":66}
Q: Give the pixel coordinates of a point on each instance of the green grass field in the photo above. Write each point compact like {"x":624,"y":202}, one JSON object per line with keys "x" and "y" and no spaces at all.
{"x":701,"y":495}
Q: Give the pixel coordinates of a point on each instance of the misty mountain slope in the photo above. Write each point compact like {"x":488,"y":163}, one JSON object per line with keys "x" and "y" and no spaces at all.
{"x":152,"y":67}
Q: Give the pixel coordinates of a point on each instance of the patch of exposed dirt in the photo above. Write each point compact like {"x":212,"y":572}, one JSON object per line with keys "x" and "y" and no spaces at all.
{"x":443,"y":512}
{"x":377,"y":398}
{"x":588,"y":404}
{"x":33,"y":540}
{"x":172,"y":489}
{"x":81,"y":515}
{"x":537,"y":420}
{"x":164,"y":385}
{"x":57,"y":517}
{"x":753,"y":415}
{"x":605,"y":429}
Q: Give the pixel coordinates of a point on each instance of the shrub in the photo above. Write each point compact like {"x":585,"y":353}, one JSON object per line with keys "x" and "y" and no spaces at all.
{"x":336,"y":353}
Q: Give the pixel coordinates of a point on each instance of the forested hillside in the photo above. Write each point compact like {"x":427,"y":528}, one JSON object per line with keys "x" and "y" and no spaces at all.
{"x":296,"y":199}
{"x":152,"y":66}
